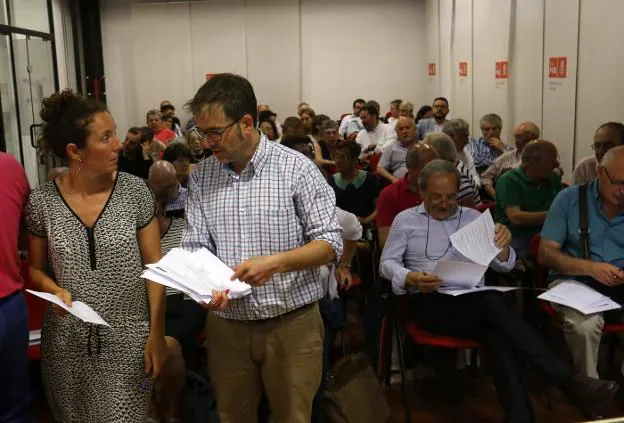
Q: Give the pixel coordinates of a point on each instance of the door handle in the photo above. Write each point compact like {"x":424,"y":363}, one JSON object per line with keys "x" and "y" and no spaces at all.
{"x":32,"y":129}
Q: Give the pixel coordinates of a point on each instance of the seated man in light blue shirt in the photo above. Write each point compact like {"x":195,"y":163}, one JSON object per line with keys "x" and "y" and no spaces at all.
{"x":419,"y":238}
{"x":436,"y":123}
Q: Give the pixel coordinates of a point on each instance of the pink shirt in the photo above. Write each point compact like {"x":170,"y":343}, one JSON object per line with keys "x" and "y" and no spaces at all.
{"x":14,"y":190}
{"x":164,"y":135}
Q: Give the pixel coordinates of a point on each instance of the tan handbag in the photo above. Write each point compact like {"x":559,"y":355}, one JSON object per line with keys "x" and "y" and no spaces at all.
{"x":353,"y":393}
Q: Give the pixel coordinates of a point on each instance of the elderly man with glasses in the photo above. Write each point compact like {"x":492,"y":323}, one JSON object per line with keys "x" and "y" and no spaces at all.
{"x":562,"y":250}
{"x":607,"y":136}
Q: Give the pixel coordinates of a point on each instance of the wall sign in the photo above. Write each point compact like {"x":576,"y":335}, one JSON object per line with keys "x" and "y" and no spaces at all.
{"x":463,"y":69}
{"x":558,"y":67}
{"x":432,"y":69}
{"x":502,"y":70}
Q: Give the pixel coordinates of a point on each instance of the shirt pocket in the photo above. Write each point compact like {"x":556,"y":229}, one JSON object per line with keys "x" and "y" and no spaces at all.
{"x":275,"y":229}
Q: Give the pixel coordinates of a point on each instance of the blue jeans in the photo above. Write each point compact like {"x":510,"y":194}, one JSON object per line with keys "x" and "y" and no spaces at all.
{"x":15,"y":395}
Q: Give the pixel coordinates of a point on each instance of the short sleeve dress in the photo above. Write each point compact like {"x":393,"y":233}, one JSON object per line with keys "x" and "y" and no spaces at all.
{"x":95,"y":373}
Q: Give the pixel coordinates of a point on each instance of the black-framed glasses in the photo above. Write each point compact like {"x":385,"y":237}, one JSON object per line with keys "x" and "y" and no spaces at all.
{"x":213,"y":134}
{"x":618,"y":184}
{"x":602,"y":146}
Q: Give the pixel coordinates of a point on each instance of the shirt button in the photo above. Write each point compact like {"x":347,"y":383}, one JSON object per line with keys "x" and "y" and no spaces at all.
{"x":242,"y":210}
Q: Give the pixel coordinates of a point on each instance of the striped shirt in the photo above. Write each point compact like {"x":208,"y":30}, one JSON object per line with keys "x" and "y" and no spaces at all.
{"x":278,"y":203}
{"x":170,"y":240}
{"x":482,"y":153}
{"x":467,"y":187}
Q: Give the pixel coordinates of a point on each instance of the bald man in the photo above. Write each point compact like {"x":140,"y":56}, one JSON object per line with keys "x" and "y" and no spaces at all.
{"x":404,"y":193}
{"x":524,"y":194}
{"x":161,"y":182}
{"x":392,"y":163}
{"x":523,"y":134}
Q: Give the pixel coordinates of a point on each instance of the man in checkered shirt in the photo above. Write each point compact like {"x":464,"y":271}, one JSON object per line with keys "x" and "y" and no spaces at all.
{"x":267,"y":212}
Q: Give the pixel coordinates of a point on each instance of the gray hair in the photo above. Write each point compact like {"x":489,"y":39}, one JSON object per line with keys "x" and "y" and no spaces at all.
{"x":492,"y":118}
{"x":437,"y":167}
{"x":452,"y":126}
{"x":153,"y":112}
{"x":535,"y":149}
{"x":443,"y":144}
{"x":610,"y":155}
{"x":328,"y":124}
{"x":407,"y":105}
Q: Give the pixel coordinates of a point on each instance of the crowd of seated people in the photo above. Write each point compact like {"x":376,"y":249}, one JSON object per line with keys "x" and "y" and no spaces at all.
{"x":408,"y":178}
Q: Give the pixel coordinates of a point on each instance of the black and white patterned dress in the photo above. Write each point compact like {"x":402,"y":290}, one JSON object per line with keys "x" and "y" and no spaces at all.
{"x":94,"y":373}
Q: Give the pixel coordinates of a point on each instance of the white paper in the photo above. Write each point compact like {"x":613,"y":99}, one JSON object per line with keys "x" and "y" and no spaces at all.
{"x":475,"y":241}
{"x":196,"y":274}
{"x":579,"y":296}
{"x":78,"y":308}
{"x":34,"y":337}
{"x":459,"y":274}
{"x":461,"y":291}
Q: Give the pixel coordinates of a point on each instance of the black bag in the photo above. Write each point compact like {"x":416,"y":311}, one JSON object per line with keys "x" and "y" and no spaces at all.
{"x":197,"y":401}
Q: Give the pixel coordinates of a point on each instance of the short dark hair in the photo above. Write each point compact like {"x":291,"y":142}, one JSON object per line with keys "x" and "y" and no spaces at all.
{"x":293,"y":140}
{"x":265,"y":115}
{"x":135,"y":130}
{"x":359,"y":100}
{"x":175,"y":151}
{"x":423,"y":111}
{"x":614,"y":126}
{"x":231,"y":92}
{"x":273,"y":126}
{"x":168,"y":107}
{"x":316,"y":123}
{"x":66,"y":116}
{"x":396,"y":103}
{"x":441,"y":99}
{"x":147,"y":134}
{"x":291,"y":122}
{"x":372,"y":108}
{"x":352,"y":148}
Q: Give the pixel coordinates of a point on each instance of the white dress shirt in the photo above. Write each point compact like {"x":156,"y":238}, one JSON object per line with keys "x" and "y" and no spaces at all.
{"x":383,"y":134}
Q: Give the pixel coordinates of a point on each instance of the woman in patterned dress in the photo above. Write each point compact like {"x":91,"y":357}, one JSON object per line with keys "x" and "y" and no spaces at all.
{"x":91,"y":232}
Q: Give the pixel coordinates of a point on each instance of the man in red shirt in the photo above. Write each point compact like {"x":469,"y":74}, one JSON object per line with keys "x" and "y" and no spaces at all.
{"x":154,"y":122}
{"x":404,"y":193}
{"x":15,"y":396}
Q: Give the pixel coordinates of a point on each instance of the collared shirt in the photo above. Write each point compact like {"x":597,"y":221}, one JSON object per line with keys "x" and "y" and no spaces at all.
{"x":14,"y":190}
{"x":393,"y":159}
{"x":427,"y":126}
{"x":508,"y":160}
{"x":515,"y":189}
{"x":394,"y":199}
{"x":483,"y":153}
{"x":279,"y":202}
{"x":465,"y":157}
{"x":350,"y":124}
{"x":606,"y":237}
{"x":585,"y":171}
{"x":382,"y":135}
{"x":351,"y":231}
{"x":179,"y":202}
{"x":417,"y":242}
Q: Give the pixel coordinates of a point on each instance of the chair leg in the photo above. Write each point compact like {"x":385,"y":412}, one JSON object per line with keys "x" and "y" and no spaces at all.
{"x":406,"y":396}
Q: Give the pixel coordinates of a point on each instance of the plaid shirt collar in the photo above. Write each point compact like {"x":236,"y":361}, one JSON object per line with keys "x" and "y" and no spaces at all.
{"x":257,"y":162}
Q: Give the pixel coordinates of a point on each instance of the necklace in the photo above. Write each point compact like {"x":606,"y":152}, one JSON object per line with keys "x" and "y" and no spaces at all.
{"x":449,"y":244}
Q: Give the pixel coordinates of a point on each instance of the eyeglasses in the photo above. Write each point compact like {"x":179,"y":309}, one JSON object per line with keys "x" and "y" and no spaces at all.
{"x":619,"y":184}
{"x":213,"y":134}
{"x":602,"y":146}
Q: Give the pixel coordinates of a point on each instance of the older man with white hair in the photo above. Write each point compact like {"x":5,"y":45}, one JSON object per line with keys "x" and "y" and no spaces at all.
{"x":562,"y":250}
{"x":391,"y":165}
{"x":459,"y":131}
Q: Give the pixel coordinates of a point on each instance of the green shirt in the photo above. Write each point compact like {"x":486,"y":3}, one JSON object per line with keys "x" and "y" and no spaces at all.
{"x":514,"y":188}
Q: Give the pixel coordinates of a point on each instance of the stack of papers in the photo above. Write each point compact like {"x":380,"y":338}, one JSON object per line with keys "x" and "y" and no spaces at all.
{"x":474,"y":241}
{"x":579,"y":296}
{"x":34,"y":337}
{"x":196,"y":274}
{"x":78,"y":308}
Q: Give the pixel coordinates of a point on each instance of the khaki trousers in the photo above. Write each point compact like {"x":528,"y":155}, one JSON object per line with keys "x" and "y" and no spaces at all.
{"x":281,"y":357}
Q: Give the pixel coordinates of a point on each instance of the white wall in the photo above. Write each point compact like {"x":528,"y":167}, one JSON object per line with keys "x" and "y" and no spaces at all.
{"x":324,"y":52}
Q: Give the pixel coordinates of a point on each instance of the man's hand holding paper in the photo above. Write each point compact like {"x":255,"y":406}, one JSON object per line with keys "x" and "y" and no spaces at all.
{"x":424,"y":282}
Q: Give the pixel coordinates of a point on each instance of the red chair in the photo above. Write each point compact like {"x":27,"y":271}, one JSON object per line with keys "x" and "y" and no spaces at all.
{"x":541,"y":274}
{"x":491,"y":206}
{"x":420,"y":337}
{"x":36,"y":312}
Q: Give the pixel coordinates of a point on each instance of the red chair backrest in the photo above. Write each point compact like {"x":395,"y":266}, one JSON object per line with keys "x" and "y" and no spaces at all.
{"x":373,"y":162}
{"x":491,"y":206}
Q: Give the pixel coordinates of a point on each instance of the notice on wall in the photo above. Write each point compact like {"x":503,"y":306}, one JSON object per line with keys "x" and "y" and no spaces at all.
{"x":432,"y":69}
{"x":501,"y":73}
{"x":463,"y":69}
{"x":557,"y":71}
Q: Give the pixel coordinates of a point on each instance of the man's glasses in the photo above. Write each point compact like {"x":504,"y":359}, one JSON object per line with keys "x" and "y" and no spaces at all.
{"x":602,"y":146}
{"x":618,"y":184}
{"x":213,"y":134}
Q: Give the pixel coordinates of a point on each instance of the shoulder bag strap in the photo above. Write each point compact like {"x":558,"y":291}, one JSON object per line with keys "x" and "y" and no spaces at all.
{"x":583,"y":223}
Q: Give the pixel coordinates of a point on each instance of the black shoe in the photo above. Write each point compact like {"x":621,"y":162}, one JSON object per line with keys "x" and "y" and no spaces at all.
{"x":590,"y":395}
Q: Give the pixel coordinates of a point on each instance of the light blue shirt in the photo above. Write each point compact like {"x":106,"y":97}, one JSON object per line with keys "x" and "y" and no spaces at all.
{"x":606,"y":238}
{"x":407,"y":249}
{"x":427,"y":126}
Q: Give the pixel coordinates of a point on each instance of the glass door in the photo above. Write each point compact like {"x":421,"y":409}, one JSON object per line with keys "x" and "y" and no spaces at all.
{"x":34,"y":77}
